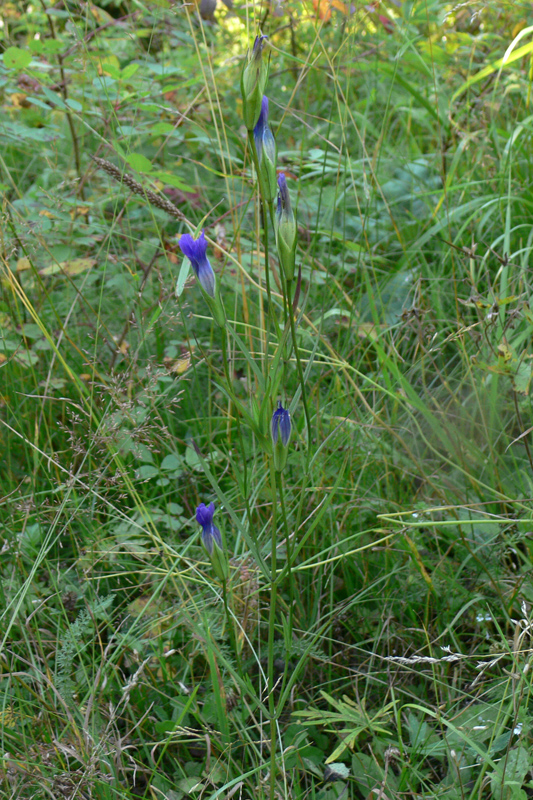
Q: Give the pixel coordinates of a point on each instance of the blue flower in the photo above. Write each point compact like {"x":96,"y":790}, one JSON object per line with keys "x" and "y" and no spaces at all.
{"x":281,"y":425}
{"x":259,"y":43}
{"x":262,"y":125}
{"x":195,"y":250}
{"x":211,"y":535}
{"x":285,"y":227}
{"x":284,"y":198}
{"x":266,"y":152}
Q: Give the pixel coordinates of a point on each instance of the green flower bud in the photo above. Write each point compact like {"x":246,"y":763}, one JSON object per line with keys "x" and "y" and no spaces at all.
{"x":280,"y":429}
{"x":253,"y":82}
{"x":266,"y":153}
{"x":286,"y":230}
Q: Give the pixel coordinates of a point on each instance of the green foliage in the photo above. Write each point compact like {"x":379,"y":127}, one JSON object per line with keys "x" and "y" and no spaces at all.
{"x":373,"y":636}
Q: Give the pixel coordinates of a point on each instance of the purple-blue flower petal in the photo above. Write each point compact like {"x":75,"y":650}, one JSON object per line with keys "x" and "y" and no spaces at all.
{"x":281,"y":425}
{"x":204,"y":514}
{"x":195,"y":250}
{"x":284,"y":200}
{"x":259,"y":43}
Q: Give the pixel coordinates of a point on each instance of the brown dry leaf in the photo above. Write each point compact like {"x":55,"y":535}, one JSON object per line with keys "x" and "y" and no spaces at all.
{"x":79,"y":211}
{"x":18,"y":100}
{"x":71,"y":268}
{"x":518,"y":27}
{"x":377,"y":794}
{"x":368,"y":329}
{"x":23,"y":264}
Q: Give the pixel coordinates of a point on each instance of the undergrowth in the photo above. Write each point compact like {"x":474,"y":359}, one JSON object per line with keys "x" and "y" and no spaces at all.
{"x":351,"y":618}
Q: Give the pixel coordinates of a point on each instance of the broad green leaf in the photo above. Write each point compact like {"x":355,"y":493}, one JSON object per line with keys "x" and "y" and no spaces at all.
{"x":129,"y":71}
{"x":54,"y":98}
{"x":139,"y":162}
{"x":15,"y":58}
{"x":172,"y":180}
{"x":73,"y":104}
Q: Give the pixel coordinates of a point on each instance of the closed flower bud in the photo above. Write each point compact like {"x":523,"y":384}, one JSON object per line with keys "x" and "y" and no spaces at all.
{"x":253,"y":82}
{"x":266,"y":152}
{"x":286,"y":231}
{"x":280,"y":430}
{"x":212,"y":540}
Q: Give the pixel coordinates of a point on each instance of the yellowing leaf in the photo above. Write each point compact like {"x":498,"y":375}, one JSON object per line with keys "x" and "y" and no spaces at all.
{"x":71,"y":268}
{"x":518,"y":27}
{"x":414,"y":550}
{"x":18,"y":99}
{"x":101,"y":16}
{"x":179,"y":366}
{"x":110,"y":65}
{"x":23,"y":264}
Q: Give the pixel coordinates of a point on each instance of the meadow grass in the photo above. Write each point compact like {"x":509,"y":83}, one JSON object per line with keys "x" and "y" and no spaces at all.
{"x":363,"y":630}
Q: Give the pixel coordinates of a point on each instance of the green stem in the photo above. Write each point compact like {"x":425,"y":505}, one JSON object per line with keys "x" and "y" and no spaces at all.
{"x":271,"y":629}
{"x":231,"y":628}
{"x":264,"y":205}
{"x":279,"y":477}
{"x":300,"y":376}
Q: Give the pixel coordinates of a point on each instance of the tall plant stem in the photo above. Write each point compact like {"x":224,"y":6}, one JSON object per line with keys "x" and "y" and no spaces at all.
{"x":225,"y":362}
{"x":290,"y":311}
{"x":231,"y":627}
{"x":64,"y":93}
{"x":265,"y":207}
{"x":288,"y":545}
{"x":271,"y":629}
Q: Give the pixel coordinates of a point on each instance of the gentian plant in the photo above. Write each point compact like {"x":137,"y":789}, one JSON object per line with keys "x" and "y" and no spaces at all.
{"x":253,"y":82}
{"x":266,"y":152}
{"x":196,"y":251}
{"x":286,"y":231}
{"x":212,"y":539}
{"x":280,"y":429}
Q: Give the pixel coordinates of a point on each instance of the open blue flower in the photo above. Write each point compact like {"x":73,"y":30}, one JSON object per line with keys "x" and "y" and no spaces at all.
{"x":211,"y":535}
{"x":281,"y":425}
{"x":196,"y":252}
